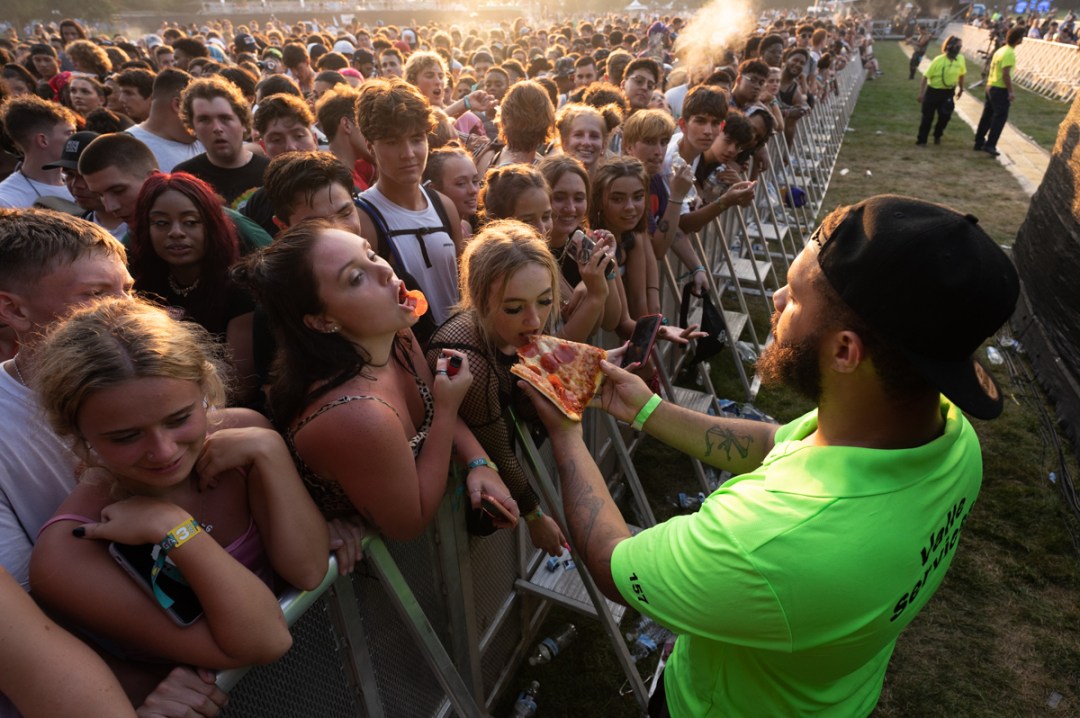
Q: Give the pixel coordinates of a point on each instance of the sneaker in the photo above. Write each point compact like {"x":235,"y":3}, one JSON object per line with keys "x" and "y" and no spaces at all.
{"x":920,"y":142}
{"x":978,"y":148}
{"x":992,"y":151}
{"x":937,"y":140}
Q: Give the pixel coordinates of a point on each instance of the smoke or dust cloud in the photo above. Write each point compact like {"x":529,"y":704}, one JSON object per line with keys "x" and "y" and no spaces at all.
{"x":717,"y":27}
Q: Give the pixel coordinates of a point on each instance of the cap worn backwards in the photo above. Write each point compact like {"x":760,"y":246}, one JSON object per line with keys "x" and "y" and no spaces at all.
{"x":930,"y":281}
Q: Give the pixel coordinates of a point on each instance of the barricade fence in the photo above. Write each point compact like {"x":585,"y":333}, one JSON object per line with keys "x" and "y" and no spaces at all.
{"x":1051,"y":69}
{"x":438,"y":626}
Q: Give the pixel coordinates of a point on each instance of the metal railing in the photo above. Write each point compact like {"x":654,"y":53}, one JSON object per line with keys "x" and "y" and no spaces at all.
{"x":1051,"y":69}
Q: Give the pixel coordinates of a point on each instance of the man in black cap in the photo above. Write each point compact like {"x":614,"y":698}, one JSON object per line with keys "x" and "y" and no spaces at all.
{"x":790,"y":585}
{"x":564,"y":75}
{"x":364,"y":63}
{"x":87,"y":203}
{"x":244,"y":42}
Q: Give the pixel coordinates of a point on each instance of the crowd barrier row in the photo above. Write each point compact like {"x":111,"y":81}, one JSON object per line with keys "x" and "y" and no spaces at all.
{"x":1051,"y":69}
{"x":438,"y":626}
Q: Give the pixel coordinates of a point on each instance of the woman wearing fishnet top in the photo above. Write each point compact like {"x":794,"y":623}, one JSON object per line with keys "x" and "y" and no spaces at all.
{"x":509,"y":286}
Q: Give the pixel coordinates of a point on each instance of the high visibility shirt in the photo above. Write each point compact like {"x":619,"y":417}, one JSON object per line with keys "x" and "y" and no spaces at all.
{"x":943,"y":73}
{"x":1004,"y":57}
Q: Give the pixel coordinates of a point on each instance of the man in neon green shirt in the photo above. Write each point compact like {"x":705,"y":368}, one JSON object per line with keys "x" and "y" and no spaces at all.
{"x":999,"y":94}
{"x":789,"y":586}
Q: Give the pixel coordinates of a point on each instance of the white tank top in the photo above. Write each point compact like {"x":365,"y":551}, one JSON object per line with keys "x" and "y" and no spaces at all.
{"x":429,"y":255}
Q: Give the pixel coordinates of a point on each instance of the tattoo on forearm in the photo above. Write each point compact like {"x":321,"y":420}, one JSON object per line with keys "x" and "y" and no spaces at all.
{"x":583,"y":508}
{"x":723,"y":439}
{"x":663,"y":225}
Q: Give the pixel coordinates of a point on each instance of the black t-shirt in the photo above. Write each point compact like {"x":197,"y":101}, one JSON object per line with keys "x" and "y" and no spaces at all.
{"x":257,"y":208}
{"x":229,"y":183}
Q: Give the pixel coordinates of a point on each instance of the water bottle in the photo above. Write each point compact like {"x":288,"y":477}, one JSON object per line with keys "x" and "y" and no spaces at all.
{"x":548,"y":648}
{"x":746,"y":352}
{"x":642,"y":647}
{"x":525,"y":705}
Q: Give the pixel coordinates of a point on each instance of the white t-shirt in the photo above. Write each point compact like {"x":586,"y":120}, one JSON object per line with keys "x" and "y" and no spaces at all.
{"x":669,"y":157}
{"x":37,"y":472}
{"x":20,"y":192}
{"x":169,"y":153}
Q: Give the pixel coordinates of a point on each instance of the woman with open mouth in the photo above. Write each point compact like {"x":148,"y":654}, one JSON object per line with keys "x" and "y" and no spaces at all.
{"x":371,"y":427}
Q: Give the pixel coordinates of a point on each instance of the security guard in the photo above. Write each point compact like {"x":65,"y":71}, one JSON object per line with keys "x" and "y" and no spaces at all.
{"x":944,"y":76}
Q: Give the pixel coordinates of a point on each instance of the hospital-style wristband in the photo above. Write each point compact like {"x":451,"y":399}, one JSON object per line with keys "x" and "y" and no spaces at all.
{"x":646,"y":412}
{"x":530,"y":517}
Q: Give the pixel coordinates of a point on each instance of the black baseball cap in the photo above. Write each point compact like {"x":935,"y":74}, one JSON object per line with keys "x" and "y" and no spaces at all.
{"x":73,"y":147}
{"x":245,"y":42}
{"x":930,"y":281}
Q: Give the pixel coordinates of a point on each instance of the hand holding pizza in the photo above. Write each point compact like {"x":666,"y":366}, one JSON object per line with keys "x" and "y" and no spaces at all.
{"x":452,"y":379}
{"x":553,"y":419}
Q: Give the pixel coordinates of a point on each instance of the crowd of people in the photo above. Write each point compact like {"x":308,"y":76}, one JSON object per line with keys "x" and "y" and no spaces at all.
{"x":261,"y":287}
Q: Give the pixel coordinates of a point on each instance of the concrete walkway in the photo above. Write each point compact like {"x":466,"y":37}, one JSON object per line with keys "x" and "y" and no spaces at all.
{"x":1024,"y":159}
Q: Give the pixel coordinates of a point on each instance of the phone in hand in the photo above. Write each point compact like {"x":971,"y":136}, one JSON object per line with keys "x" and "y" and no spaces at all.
{"x":642,"y":340}
{"x":493,"y":511}
{"x":580,"y":247}
{"x":138,"y":562}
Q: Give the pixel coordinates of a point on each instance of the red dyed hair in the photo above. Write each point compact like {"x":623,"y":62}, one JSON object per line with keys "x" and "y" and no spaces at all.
{"x":207,"y":304}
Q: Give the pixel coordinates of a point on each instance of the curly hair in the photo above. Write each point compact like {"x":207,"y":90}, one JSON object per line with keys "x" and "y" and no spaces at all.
{"x":89,"y":57}
{"x":210,"y":88}
{"x":392,"y":108}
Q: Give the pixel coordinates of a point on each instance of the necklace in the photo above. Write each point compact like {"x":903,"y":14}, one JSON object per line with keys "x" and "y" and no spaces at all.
{"x":15,"y":363}
{"x":182,"y":291}
{"x":30,"y":183}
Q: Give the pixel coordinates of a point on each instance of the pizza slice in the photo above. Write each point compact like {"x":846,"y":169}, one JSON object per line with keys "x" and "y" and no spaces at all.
{"x":567,"y":373}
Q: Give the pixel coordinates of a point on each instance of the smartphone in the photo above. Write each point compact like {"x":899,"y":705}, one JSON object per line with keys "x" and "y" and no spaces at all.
{"x":580,"y":247}
{"x":494,"y":511}
{"x":642,"y":340}
{"x":138,"y":561}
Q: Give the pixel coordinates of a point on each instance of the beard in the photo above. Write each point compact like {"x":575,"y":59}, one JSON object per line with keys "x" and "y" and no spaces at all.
{"x":794,"y":365}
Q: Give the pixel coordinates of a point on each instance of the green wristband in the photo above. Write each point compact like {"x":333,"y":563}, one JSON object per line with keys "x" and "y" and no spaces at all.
{"x":646,"y":412}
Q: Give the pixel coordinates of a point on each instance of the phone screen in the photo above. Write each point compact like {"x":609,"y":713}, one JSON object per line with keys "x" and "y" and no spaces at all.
{"x":138,"y":561}
{"x":641,"y":342}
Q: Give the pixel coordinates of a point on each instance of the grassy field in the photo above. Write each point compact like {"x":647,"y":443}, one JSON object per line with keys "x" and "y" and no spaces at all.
{"x":999,"y":638}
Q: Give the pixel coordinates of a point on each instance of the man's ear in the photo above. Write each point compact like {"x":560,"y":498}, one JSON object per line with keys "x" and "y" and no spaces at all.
{"x":846,"y":351}
{"x":13,"y":312}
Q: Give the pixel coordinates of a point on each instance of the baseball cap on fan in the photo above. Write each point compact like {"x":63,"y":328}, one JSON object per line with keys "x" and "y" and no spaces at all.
{"x":930,"y":281}
{"x":73,"y":147}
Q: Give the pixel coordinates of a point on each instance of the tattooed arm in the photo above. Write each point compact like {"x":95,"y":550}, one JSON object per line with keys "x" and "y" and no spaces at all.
{"x":738,"y":445}
{"x":593,"y":520}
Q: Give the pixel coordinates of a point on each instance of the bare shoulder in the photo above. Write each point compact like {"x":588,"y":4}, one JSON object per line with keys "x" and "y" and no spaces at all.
{"x":237,"y":418}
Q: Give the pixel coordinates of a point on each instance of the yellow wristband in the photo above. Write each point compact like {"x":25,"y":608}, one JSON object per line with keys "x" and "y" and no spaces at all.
{"x":180,"y":535}
{"x":646,"y":412}
{"x":534,"y":515}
